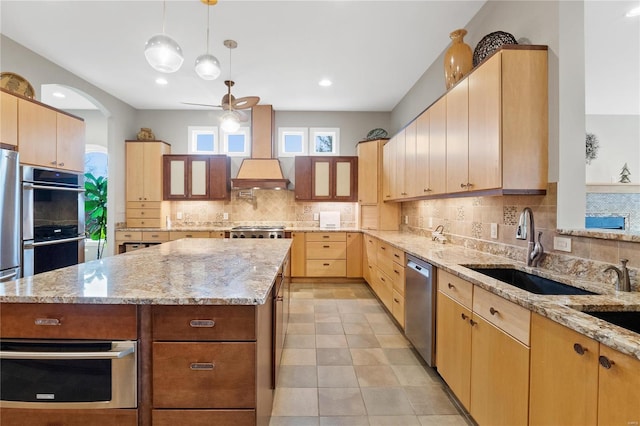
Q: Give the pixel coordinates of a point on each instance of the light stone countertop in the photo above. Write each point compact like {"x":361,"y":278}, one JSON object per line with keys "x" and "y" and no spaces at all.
{"x":191,"y":271}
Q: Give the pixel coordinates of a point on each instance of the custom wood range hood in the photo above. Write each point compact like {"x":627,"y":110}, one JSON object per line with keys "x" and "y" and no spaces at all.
{"x":262,"y":170}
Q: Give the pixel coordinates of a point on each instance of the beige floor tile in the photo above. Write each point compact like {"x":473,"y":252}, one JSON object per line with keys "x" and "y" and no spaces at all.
{"x":301,"y":318}
{"x":303,"y":328}
{"x":344,"y":294}
{"x":401,"y":356}
{"x":394,"y":421}
{"x":298,"y":376}
{"x":300,"y":341}
{"x":428,"y":400}
{"x":393,"y":341}
{"x":379,"y":318}
{"x":332,"y":317}
{"x":386,"y":401}
{"x":450,"y":420}
{"x":298,"y":357}
{"x":329,"y":328}
{"x":385,"y":328}
{"x":301,"y":402}
{"x":334,"y":376}
{"x":363,"y":341}
{"x":333,"y":356}
{"x":297,"y":307}
{"x":356,"y":328}
{"x":350,"y":306}
{"x":294,"y":421}
{"x":412,"y":375}
{"x":340,"y":402}
{"x":344,"y":421}
{"x":354,"y":317}
{"x":331,"y":341}
{"x":375,"y":376}
{"x":326,"y":308}
{"x":368,"y":356}
{"x":302,"y":294}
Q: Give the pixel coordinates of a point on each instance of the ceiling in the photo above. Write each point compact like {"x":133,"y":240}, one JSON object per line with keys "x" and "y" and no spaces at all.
{"x":373,"y":51}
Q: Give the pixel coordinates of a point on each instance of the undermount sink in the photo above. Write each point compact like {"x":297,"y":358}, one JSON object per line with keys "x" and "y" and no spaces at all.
{"x":629,"y":320}
{"x":529,"y":282}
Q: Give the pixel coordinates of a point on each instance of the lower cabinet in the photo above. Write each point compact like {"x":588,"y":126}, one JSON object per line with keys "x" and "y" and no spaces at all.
{"x":204,"y":417}
{"x":55,"y":417}
{"x":326,"y":254}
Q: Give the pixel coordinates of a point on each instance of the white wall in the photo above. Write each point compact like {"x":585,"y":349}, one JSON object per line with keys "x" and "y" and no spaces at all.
{"x":619,"y":139}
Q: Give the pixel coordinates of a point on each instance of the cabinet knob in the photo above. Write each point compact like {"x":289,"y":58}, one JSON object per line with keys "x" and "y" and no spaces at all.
{"x":61,"y":164}
{"x":493,"y":311}
{"x":427,"y":190}
{"x":403,"y":193}
{"x":451,"y":285}
{"x":464,"y":316}
{"x":463,"y":185}
{"x":605,"y":362}
{"x":53,"y":163}
{"x":472,"y":322}
{"x":580,"y":350}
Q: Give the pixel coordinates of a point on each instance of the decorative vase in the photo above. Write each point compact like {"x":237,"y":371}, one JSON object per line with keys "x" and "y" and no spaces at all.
{"x":145,"y":134}
{"x":458,"y":59}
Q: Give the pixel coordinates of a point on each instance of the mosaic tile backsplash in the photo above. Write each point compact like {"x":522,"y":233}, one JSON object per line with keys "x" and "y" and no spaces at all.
{"x":625,"y":205}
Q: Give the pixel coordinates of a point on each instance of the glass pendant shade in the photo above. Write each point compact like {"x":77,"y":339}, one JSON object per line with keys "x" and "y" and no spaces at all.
{"x":163,"y":53}
{"x":208,"y":67}
{"x":230,"y":122}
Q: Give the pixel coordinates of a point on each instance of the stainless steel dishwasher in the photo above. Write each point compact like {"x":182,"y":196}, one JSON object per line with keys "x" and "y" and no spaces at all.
{"x":420,"y":307}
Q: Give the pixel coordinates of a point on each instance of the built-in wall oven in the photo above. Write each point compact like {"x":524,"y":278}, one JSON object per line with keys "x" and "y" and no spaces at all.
{"x":68,"y":374}
{"x":53,"y":223}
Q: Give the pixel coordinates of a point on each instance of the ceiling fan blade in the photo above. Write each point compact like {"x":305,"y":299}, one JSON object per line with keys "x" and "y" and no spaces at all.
{"x":245,"y":102}
{"x":205,"y":105}
{"x":243,"y":116}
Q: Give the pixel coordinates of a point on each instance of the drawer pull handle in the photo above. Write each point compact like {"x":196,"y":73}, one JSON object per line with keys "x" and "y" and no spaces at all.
{"x":325,"y":236}
{"x":580,"y":350}
{"x":397,"y":272}
{"x":154,"y":236}
{"x":188,"y":236}
{"x":382,"y":279}
{"x":202,"y":323}
{"x":451,"y":285}
{"x":325,"y":264}
{"x":396,"y":255}
{"x":472,"y":322}
{"x":464,"y":317}
{"x":605,"y":362}
{"x":382,"y":248}
{"x":326,"y":246}
{"x":280,"y":299}
{"x":127,"y":235}
{"x":396,"y":300}
{"x":47,"y":321}
{"x":493,"y":311}
{"x":202,"y":366}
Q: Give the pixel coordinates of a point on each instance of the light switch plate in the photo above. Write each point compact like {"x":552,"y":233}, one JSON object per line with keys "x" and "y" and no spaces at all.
{"x":406,"y":220}
{"x":179,"y":215}
{"x":225,"y":216}
{"x":316,"y":216}
{"x":562,"y":244}
{"x":494,"y":230}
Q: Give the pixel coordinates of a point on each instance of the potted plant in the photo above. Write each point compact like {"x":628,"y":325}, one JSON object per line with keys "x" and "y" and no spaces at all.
{"x":95,"y":207}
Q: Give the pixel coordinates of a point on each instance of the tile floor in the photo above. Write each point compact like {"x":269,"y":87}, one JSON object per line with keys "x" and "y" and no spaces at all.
{"x":345,"y":362}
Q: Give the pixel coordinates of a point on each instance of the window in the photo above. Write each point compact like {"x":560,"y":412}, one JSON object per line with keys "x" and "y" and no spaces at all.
{"x":237,"y":144}
{"x":292,"y":141}
{"x":324,"y":141}
{"x":203,"y":140}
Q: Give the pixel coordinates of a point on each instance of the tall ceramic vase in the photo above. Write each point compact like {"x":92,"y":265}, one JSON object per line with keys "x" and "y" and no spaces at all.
{"x":458,"y":60}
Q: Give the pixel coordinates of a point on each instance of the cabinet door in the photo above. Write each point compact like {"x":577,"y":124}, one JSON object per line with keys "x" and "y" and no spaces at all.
{"x":303,"y":178}
{"x":421,"y":161}
{"x":368,"y":172}
{"x":619,"y":388}
{"x":458,"y":138}
{"x":499,"y":376}
{"x":8,"y":119}
{"x":345,"y":171}
{"x":438,"y":147}
{"x":219,"y":175}
{"x":485,"y":109}
{"x":564,"y":382}
{"x":36,"y":134}
{"x":175,"y":172}
{"x":70,"y":143}
{"x":152,"y":170}
{"x":453,"y":336}
{"x":354,"y":255}
{"x":298,"y":256}
{"x":134,"y":163}
{"x":322,"y":178}
{"x":408,"y":166}
{"x":388,"y":169}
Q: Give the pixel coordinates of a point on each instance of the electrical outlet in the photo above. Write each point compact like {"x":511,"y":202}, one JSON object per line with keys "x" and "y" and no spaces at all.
{"x":179,"y":215}
{"x":406,"y":220}
{"x":494,"y":230}
{"x":562,"y":244}
{"x":430,"y":225}
{"x":316,"y":216}
{"x":225,"y":216}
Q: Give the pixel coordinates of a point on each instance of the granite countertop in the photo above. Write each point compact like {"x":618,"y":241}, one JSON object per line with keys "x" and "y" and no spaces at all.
{"x":192,"y":271}
{"x":565,"y":310}
{"x":228,"y":228}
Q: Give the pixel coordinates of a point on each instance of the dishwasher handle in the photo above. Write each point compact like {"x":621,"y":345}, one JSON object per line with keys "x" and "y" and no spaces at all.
{"x":422,"y":270}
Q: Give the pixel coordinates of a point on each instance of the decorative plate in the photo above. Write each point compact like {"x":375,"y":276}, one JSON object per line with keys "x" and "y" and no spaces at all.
{"x":377,"y":134}
{"x":490,"y":43}
{"x":16,"y":84}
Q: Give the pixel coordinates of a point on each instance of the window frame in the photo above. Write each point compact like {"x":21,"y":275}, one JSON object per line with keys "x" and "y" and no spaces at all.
{"x":243,"y":130}
{"x":319,"y":131}
{"x":192,"y":133}
{"x":283,"y":132}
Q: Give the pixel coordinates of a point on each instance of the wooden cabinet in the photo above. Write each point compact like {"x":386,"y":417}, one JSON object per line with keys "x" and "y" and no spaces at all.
{"x":326,"y":254}
{"x":66,"y":417}
{"x":326,"y":178}
{"x":70,"y":142}
{"x":176,"y":235}
{"x":569,"y":384}
{"x":437,"y":147}
{"x":354,"y":255}
{"x":8,"y":119}
{"x":298,"y":256}
{"x":374,"y":212}
{"x":409,"y":183}
{"x":196,"y":177}
{"x":458,"y":137}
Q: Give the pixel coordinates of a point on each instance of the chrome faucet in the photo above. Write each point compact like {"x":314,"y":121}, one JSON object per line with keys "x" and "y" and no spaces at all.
{"x":623,"y":282}
{"x":535,"y":251}
{"x":439,"y":231}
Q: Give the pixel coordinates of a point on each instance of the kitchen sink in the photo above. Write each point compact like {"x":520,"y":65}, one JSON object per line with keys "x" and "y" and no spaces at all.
{"x":629,"y":320}
{"x":529,"y":282}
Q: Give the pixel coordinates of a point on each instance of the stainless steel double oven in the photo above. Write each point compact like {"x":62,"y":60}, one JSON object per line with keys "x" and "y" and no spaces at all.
{"x":53,"y":224}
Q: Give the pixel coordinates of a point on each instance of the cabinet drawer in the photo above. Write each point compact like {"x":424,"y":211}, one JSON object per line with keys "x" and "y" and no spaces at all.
{"x":326,"y":268}
{"x":397,"y":307}
{"x":326,"y":236}
{"x":143,"y":213}
{"x":383,"y":288}
{"x":155,"y":236}
{"x":512,"y":318}
{"x":129,"y":235}
{"x":144,"y":205}
{"x":204,"y":375}
{"x":144,"y":223}
{"x":458,"y":289}
{"x":371,"y":247}
{"x":68,"y":321}
{"x":398,"y":279}
{"x":176,"y":235}
{"x":326,"y":250}
{"x":216,"y":234}
{"x":201,"y":323}
{"x":68,"y":417}
{"x":398,"y":256}
{"x":203,"y":417}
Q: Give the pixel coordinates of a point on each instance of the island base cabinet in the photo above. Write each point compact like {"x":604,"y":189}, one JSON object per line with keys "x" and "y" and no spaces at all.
{"x":204,"y":375}
{"x":204,"y":417}
{"x":618,"y":388}
{"x":499,"y":377}
{"x":63,"y":417}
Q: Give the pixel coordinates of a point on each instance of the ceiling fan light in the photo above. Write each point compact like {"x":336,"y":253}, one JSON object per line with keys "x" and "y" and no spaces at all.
{"x":163,"y":53}
{"x":230,"y":122}
{"x":208,"y":67}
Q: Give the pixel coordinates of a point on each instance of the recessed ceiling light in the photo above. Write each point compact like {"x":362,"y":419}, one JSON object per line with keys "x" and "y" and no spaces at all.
{"x":325,"y":82}
{"x":161,"y":81}
{"x":58,"y":95}
{"x":633,"y":12}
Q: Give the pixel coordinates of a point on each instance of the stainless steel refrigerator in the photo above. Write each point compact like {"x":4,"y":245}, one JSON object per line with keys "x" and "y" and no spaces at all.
{"x":9,"y":215}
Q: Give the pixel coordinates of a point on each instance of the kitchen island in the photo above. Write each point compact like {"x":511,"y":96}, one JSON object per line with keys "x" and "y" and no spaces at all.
{"x":201,"y":311}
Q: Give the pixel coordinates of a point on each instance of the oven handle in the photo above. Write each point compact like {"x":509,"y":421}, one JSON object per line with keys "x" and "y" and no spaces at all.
{"x":119,"y":351}
{"x":27,"y":185}
{"x":29,"y":245}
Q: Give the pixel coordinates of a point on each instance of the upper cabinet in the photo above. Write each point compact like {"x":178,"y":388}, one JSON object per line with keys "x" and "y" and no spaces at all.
{"x":49,"y":138}
{"x":326,"y":178}
{"x":196,"y":177}
{"x":144,"y":169}
{"x":8,"y":119}
{"x":458,"y":138}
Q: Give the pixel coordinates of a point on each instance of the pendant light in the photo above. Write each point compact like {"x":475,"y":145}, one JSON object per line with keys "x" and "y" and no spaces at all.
{"x":207,"y":65}
{"x":230,"y":120}
{"x":162,"y":52}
